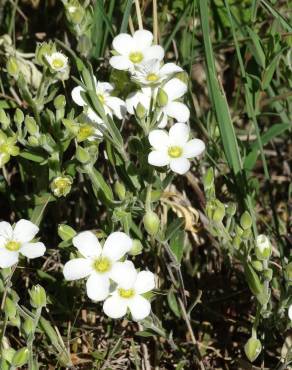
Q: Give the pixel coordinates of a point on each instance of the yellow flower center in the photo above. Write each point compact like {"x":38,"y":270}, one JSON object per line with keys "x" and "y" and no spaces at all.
{"x":58,"y":63}
{"x":175,"y":151}
{"x":12,"y":246}
{"x":126,"y":293}
{"x":152,"y":77}
{"x":102,"y":264}
{"x":136,"y":57}
{"x":84,"y":132}
{"x":101,"y":98}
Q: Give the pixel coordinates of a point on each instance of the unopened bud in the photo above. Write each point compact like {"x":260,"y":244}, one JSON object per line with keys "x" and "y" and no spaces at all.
{"x":82,"y":155}
{"x":31,"y":125}
{"x":151,"y":223}
{"x":137,"y":248}
{"x":61,"y":186}
{"x":20,"y":357}
{"x":268,"y":274}
{"x":263,"y":247}
{"x":28,"y":326}
{"x":120,"y":190}
{"x":38,"y":298}
{"x":18,"y":116}
{"x":245,"y":221}
{"x":75,"y":14}
{"x":10,"y":308}
{"x":140,"y":111}
{"x":12,"y":67}
{"x":257,"y":265}
{"x":66,"y":232}
{"x":4,"y":119}
{"x":219,"y":212}
{"x":231,"y":209}
{"x":60,"y":102}
{"x":208,"y":179}
{"x":288,"y":271}
{"x":252,"y":349}
{"x":162,"y":98}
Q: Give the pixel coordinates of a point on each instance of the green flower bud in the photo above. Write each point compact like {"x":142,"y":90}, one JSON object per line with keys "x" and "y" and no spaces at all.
{"x":263,"y":247}
{"x":20,"y":357}
{"x":12,"y":67}
{"x":33,"y":141}
{"x":28,"y":326}
{"x":82,"y":155}
{"x":252,"y":349}
{"x":137,"y":248}
{"x":252,"y":279}
{"x":208,"y":179}
{"x":219,"y":211}
{"x":38,"y":298}
{"x":18,"y":116}
{"x":268,"y":274}
{"x":31,"y":125}
{"x":288,"y":271}
{"x":66,"y":232}
{"x":140,"y":111}
{"x":120,"y":190}
{"x":231,"y":209}
{"x":245,"y":221}
{"x":246,"y":234}
{"x":236,"y":241}
{"x":257,"y":265}
{"x":8,"y":354}
{"x":75,"y":14}
{"x":10,"y":308}
{"x":238,"y":230}
{"x":151,"y":223}
{"x":60,"y":102}
{"x":4,"y":119}
{"x":61,"y":186}
{"x":162,"y":98}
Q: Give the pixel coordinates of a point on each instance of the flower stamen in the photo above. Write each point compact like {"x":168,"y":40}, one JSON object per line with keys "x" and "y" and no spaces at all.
{"x":102,"y":265}
{"x":13,"y":246}
{"x":175,"y":151}
{"x":136,"y":57}
{"x":126,"y":293}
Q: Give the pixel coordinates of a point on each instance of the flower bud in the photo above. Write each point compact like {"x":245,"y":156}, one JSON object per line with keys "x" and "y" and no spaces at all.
{"x":208,"y":179}
{"x":31,"y":125}
{"x":61,"y":186}
{"x":263,"y":247}
{"x":66,"y":232}
{"x":236,"y":241}
{"x":231,"y":209}
{"x":151,"y":223}
{"x":18,"y":116}
{"x":33,"y":140}
{"x":82,"y":155}
{"x":20,"y":357}
{"x":219,"y":211}
{"x":252,"y":349}
{"x":288,"y":271}
{"x":137,"y":248}
{"x":4,"y":119}
{"x":245,"y":221}
{"x":120,"y":190}
{"x":140,"y":111}
{"x":60,"y":102}
{"x":10,"y":308}
{"x":268,"y":274}
{"x":75,"y":14}
{"x":38,"y":298}
{"x":162,"y":98}
{"x":257,"y":265}
{"x":12,"y":67}
{"x":28,"y":326}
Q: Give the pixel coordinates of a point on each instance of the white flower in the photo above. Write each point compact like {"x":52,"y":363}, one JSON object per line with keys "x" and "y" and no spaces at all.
{"x":174,"y":148}
{"x":111,"y":104}
{"x":174,"y":90}
{"x":98,"y":263}
{"x":57,"y":61}
{"x":17,"y":240}
{"x":152,"y":73}
{"x":128,"y":294}
{"x":133,"y":50}
{"x":290,"y":312}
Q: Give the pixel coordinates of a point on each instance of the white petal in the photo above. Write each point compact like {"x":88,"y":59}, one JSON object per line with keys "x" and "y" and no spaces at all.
{"x":139,"y":307}
{"x":137,"y":97}
{"x":158,"y":139}
{"x":123,"y":43}
{"x":87,"y":244}
{"x":178,"y":111}
{"x":115,"y":307}
{"x":179,"y":134}
{"x":290,"y":312}
{"x":6,"y":230}
{"x":158,"y":158}
{"x":193,"y":148}
{"x":76,"y":96}
{"x":93,"y":116}
{"x":33,"y":250}
{"x":104,"y":87}
{"x":163,"y":120}
{"x":24,"y":231}
{"x":117,"y":105}
{"x":8,"y":258}
{"x":145,"y":282}
{"x":154,"y":52}
{"x":78,"y":268}
{"x":124,"y":274}
{"x":170,"y":68}
{"x":117,"y":245}
{"x":120,"y":62}
{"x":142,"y":39}
{"x":97,"y":287}
{"x":180,"y":165}
{"x":175,"y":89}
